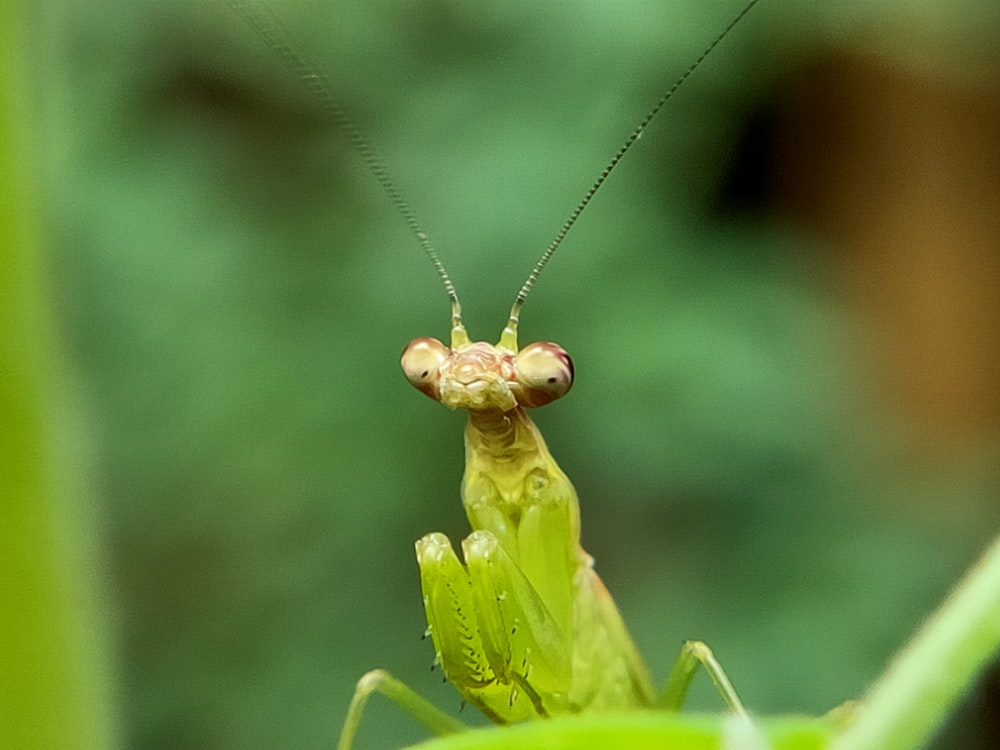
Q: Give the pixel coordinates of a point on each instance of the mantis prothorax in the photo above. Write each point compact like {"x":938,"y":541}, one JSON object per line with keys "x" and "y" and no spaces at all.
{"x":524,"y":628}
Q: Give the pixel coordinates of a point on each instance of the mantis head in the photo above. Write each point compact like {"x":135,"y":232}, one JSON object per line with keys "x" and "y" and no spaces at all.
{"x":479,"y":376}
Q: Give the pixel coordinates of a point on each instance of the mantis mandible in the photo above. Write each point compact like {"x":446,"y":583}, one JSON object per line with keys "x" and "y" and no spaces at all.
{"x":523,"y":628}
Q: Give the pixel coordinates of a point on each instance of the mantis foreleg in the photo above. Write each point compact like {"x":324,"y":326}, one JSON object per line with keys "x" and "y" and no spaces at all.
{"x":495,"y":637}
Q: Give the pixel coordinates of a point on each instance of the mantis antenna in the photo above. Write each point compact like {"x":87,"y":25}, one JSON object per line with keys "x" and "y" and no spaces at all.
{"x":268,"y":26}
{"x":509,"y":337}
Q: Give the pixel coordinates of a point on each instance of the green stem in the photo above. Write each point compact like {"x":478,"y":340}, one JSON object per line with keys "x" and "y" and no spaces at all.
{"x":915,"y":693}
{"x":54,"y":676}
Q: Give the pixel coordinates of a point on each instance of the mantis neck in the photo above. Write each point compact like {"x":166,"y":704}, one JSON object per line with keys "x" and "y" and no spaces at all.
{"x":508,"y":470}
{"x":506,"y":436}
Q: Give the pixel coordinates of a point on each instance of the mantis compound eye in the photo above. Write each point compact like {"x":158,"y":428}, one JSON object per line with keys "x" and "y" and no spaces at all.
{"x":422,"y":360}
{"x":544,"y":373}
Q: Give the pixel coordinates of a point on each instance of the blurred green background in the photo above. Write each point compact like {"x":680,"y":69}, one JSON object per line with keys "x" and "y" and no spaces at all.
{"x":782,"y":310}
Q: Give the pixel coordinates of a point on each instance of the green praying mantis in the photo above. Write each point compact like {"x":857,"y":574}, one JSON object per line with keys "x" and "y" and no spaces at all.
{"x":522,"y":626}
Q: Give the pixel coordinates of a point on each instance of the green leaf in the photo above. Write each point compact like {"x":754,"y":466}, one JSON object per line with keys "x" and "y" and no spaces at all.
{"x":655,"y":730}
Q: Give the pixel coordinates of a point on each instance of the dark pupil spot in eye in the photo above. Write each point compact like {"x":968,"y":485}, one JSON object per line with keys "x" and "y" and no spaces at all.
{"x":552,"y":380}
{"x":425,"y":373}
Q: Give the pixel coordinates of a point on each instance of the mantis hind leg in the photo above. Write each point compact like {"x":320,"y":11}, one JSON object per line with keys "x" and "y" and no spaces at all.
{"x":380,"y":681}
{"x":695,"y":654}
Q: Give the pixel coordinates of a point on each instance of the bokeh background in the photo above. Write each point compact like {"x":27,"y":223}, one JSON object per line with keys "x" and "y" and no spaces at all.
{"x":783,"y":311}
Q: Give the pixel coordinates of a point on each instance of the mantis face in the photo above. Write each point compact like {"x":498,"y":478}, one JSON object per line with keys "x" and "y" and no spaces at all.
{"x":479,"y":376}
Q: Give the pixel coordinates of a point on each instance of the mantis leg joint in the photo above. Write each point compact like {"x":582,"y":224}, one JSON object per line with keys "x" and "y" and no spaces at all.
{"x":695,"y":654}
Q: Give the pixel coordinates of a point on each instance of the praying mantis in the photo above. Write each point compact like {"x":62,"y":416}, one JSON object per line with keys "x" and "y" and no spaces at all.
{"x":521,"y":625}
{"x":524,"y":628}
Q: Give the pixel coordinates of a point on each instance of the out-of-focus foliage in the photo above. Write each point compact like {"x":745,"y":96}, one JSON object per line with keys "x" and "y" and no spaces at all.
{"x":236,"y":291}
{"x":55,"y":677}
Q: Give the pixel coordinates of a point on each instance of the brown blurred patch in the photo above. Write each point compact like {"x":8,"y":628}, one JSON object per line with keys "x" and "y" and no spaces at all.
{"x":900,"y":170}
